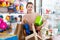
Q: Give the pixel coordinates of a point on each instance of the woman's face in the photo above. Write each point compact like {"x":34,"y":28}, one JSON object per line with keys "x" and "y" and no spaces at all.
{"x":29,"y":7}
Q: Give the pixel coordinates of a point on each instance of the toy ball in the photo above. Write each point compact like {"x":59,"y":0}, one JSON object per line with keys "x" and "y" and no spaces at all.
{"x":3,"y":26}
{"x":38,"y":21}
{"x":1,"y":20}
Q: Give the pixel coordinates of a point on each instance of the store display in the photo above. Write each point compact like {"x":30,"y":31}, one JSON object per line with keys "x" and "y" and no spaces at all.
{"x":4,"y":3}
{"x":11,"y":19}
{"x":38,"y":21}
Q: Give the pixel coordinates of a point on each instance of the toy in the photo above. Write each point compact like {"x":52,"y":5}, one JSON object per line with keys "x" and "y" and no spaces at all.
{"x":3,"y":4}
{"x":38,"y":21}
{"x":17,"y":7}
{"x":3,"y":26}
{"x":8,"y":18}
{"x":12,"y":9}
{"x":21,"y":7}
{"x":11,"y":19}
{"x":1,"y":16}
{"x":26,"y":27}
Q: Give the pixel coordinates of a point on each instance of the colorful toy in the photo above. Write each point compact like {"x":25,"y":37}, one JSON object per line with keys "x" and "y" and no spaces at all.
{"x":21,"y":7}
{"x":38,"y":21}
{"x":1,"y":16}
{"x":12,"y":9}
{"x":17,"y":7}
{"x":11,"y":19}
{"x":3,"y":25}
{"x":4,"y":3}
{"x":26,"y":27}
{"x":8,"y":18}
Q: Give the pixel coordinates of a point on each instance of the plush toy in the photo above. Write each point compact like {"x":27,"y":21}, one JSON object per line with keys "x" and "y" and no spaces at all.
{"x":1,"y":16}
{"x":8,"y":18}
{"x":3,"y":25}
{"x":38,"y":21}
{"x":12,"y":9}
{"x":11,"y":19}
{"x":3,"y":4}
{"x":21,"y":7}
{"x":26,"y":27}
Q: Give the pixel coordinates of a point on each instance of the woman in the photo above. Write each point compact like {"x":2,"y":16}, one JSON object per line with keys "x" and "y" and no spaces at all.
{"x":30,"y":16}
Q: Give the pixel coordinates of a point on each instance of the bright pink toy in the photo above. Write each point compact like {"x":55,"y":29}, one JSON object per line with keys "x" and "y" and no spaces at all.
{"x":3,"y":26}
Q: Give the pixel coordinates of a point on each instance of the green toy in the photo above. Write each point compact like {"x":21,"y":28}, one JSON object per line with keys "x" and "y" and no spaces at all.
{"x":38,"y":21}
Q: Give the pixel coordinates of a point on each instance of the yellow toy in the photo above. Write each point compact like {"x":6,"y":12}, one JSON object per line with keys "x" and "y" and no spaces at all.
{"x":17,"y":7}
{"x":3,"y":4}
{"x":21,"y":8}
{"x":7,"y":18}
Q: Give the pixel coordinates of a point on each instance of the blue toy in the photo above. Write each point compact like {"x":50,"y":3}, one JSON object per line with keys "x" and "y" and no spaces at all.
{"x":1,"y":16}
{"x":26,"y":27}
{"x":12,"y":8}
{"x":13,"y":19}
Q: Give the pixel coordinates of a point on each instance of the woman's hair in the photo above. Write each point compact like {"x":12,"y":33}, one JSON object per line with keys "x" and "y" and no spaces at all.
{"x":29,"y":3}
